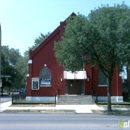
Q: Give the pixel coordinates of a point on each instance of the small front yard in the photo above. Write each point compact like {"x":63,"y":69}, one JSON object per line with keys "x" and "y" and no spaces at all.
{"x":118,"y":105}
{"x":39,"y":111}
{"x":33,"y":105}
{"x":112,"y":112}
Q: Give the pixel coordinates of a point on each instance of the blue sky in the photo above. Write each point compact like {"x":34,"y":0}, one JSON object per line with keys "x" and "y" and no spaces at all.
{"x":23,"y":20}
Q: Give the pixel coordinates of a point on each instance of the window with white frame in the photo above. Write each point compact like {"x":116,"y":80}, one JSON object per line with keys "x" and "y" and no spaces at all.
{"x":35,"y":83}
{"x":45,"y":77}
{"x":102,"y":79}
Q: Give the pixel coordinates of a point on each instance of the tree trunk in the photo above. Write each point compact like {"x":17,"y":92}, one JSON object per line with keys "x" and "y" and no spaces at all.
{"x":109,"y":96}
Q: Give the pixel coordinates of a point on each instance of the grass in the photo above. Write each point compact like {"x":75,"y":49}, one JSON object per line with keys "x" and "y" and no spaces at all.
{"x":125,"y":112}
{"x":39,"y":111}
{"x":23,"y":101}
{"x":114,"y":103}
{"x":33,"y":105}
{"x":125,"y":104}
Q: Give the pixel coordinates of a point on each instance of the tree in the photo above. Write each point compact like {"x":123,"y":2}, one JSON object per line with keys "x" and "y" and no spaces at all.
{"x":7,"y":70}
{"x":21,"y":67}
{"x":11,"y":55}
{"x":98,"y":39}
{"x":10,"y":58}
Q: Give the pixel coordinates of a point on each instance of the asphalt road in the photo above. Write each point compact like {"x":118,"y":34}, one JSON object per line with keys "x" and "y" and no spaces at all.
{"x":5,"y":99}
{"x":60,"y":121}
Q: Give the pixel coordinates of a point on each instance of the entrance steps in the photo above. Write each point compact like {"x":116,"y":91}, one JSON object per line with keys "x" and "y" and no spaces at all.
{"x":75,"y":100}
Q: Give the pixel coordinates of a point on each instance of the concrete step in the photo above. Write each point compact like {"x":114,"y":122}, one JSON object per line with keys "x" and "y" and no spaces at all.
{"x":74,"y":99}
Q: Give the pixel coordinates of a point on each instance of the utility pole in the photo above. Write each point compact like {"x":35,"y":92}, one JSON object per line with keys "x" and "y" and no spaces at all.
{"x":0,"y":66}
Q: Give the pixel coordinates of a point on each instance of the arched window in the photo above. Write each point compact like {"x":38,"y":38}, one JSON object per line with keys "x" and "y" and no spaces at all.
{"x":102,"y":79}
{"x":45,"y":77}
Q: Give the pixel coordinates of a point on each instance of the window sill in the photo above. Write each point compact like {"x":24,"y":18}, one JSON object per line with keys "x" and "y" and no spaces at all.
{"x":45,"y":85}
{"x":102,"y":85}
{"x":35,"y":89}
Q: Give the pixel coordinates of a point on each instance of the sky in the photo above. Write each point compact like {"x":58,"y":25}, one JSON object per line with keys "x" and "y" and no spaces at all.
{"x":23,"y":20}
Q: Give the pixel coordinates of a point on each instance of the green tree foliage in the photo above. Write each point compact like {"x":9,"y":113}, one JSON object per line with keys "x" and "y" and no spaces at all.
{"x":11,"y":55}
{"x":100,"y":39}
{"x":22,"y":68}
{"x":14,"y":65}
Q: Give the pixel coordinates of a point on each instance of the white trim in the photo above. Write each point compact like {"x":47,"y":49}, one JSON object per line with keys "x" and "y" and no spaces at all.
{"x":28,"y":98}
{"x":36,"y":81}
{"x":47,"y":99}
{"x":45,"y":86}
{"x":102,"y":85}
{"x":113,"y":98}
{"x":30,"y":62}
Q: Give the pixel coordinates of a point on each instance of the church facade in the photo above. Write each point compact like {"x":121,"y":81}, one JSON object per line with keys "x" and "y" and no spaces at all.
{"x":46,"y":78}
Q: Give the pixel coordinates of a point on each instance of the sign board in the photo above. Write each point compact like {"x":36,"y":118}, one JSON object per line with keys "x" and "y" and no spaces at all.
{"x":35,"y":83}
{"x":0,"y":83}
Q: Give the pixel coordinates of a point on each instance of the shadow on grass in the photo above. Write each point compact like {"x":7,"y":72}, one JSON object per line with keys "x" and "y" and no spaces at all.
{"x":113,"y":112}
{"x":114,"y":103}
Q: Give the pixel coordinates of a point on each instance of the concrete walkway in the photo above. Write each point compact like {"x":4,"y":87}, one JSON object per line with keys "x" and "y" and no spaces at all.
{"x":5,"y":105}
{"x":77,"y":108}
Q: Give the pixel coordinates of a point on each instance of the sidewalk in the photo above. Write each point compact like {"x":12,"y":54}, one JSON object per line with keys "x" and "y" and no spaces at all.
{"x":5,"y":105}
{"x":76,"y":108}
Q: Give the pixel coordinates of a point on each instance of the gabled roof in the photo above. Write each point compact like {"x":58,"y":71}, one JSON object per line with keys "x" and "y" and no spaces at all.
{"x":44,"y":43}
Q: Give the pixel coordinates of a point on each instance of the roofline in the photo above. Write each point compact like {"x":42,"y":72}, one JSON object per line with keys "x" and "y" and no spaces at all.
{"x":47,"y":39}
{"x":35,"y":51}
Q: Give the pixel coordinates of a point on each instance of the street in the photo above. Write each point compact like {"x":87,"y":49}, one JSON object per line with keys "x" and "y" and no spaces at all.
{"x":5,"y":99}
{"x":35,"y":121}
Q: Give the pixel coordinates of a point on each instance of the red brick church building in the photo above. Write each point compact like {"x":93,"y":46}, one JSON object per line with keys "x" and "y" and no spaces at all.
{"x":46,"y":78}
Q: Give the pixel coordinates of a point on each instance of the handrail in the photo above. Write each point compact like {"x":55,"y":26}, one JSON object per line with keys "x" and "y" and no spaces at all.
{"x":55,"y":93}
{"x":92,"y":93}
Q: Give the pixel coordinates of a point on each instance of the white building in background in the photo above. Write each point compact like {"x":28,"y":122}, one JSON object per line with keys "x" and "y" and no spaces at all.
{"x":123,"y":74}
